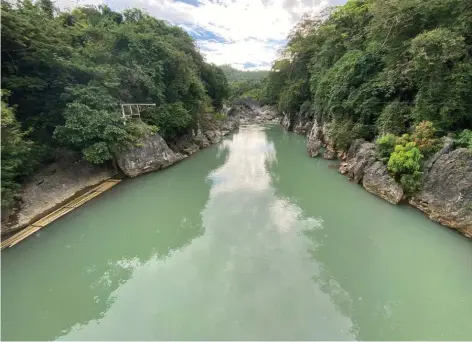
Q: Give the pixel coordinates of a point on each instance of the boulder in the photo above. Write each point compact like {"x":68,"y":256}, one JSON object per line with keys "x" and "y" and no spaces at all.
{"x":446,"y":194}
{"x":313,"y":144}
{"x":213,"y":136}
{"x":378,"y":181}
{"x":268,"y":113}
{"x":201,"y":140}
{"x":360,"y":156}
{"x":329,"y":153}
{"x":302,"y":126}
{"x":343,"y":168}
{"x":229,"y":125}
{"x":150,"y":154}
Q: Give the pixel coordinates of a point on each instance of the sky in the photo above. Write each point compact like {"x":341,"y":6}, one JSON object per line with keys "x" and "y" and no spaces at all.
{"x":247,"y":34}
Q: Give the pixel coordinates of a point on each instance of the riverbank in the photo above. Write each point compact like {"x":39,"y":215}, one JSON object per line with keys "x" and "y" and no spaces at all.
{"x":446,"y":193}
{"x":64,"y":180}
{"x":266,"y":236}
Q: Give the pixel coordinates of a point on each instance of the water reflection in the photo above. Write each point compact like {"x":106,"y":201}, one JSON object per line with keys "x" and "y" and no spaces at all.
{"x":66,"y":276}
{"x":251,"y":240}
{"x":250,"y":276}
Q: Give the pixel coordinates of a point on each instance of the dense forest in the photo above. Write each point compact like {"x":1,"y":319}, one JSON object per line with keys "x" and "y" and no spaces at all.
{"x":399,"y":70}
{"x":245,"y":84}
{"x":64,"y":75}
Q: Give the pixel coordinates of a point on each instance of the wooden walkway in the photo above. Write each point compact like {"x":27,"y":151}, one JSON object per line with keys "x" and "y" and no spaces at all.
{"x":66,"y":208}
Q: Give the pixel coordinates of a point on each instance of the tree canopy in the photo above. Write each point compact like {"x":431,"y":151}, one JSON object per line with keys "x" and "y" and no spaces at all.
{"x":384,"y":65}
{"x":66,"y":73}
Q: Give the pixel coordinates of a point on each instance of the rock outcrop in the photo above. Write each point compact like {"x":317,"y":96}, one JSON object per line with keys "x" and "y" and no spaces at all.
{"x":446,"y":194}
{"x":378,"y":181}
{"x":249,"y":112}
{"x":302,"y":126}
{"x":48,"y":188}
{"x":314,"y":143}
{"x":361,"y":165}
{"x":360,"y":156}
{"x":286,"y":122}
{"x":150,"y":154}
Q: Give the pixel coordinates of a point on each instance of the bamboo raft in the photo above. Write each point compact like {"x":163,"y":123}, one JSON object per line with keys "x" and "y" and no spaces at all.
{"x":66,"y":208}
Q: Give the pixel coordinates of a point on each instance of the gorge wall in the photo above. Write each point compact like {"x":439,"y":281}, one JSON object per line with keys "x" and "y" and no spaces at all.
{"x":446,"y":193}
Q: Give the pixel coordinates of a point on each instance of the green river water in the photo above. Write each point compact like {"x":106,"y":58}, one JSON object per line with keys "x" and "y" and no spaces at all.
{"x":249,"y":239}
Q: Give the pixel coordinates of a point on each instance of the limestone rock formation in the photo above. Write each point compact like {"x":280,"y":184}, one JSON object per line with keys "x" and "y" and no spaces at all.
{"x":378,"y":181}
{"x":446,"y":194}
{"x":286,"y":122}
{"x":313,"y":144}
{"x":360,"y":155}
{"x":361,"y":165}
{"x":302,"y":126}
{"x":49,"y":187}
{"x":150,"y":154}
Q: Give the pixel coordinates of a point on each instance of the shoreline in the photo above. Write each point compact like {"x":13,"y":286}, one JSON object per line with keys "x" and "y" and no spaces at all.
{"x":347,"y":161}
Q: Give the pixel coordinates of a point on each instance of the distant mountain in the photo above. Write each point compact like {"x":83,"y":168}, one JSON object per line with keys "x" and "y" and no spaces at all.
{"x":234,"y":75}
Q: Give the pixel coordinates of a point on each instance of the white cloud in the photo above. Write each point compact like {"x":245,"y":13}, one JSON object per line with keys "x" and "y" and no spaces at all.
{"x":251,"y":31}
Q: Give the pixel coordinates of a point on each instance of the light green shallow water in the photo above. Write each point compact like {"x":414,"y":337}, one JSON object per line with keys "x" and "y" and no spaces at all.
{"x":250,"y":239}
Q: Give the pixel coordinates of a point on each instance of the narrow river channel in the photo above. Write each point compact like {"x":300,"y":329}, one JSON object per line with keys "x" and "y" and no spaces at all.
{"x":249,"y":239}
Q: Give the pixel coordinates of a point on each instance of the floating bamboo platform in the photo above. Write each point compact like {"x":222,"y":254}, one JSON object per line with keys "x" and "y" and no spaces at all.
{"x":66,"y":208}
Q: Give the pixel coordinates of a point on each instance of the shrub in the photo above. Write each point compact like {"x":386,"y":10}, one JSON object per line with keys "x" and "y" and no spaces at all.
{"x":385,"y":146}
{"x":405,"y":159}
{"x":424,"y":138}
{"x":464,"y":139}
{"x":403,"y":139}
{"x":411,"y":182}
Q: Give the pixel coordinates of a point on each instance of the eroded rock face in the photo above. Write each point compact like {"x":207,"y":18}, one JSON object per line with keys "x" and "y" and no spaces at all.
{"x":313,"y":144}
{"x":329,"y":153}
{"x":286,"y":122}
{"x":213,"y":136}
{"x":249,"y":113}
{"x":362,"y":165}
{"x":360,"y":156}
{"x":302,"y":126}
{"x":446,"y":195}
{"x":201,"y":140}
{"x":150,"y":154}
{"x":49,"y":187}
{"x":378,"y":181}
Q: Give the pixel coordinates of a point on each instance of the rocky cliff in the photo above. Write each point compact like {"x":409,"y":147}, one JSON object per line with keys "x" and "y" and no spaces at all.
{"x":249,"y":112}
{"x":446,"y":195}
{"x":48,"y":188}
{"x":361,"y":165}
{"x":150,"y":154}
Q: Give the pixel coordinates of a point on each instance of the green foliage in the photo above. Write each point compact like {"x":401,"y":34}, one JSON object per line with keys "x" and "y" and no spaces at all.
{"x":384,"y":64}
{"x":68,"y":72}
{"x":406,"y":162}
{"x":234,"y":75}
{"x":245,"y":84}
{"x":424,"y":138}
{"x":405,"y":159}
{"x":344,"y":132}
{"x":393,"y":118}
{"x":17,"y":159}
{"x":385,"y":145}
{"x":411,"y":182}
{"x":464,"y":139}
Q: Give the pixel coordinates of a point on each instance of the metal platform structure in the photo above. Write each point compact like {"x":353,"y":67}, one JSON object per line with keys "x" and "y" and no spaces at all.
{"x":130,"y":110}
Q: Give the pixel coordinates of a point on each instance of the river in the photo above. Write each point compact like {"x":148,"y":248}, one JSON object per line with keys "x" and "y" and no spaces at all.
{"x":249,"y":239}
